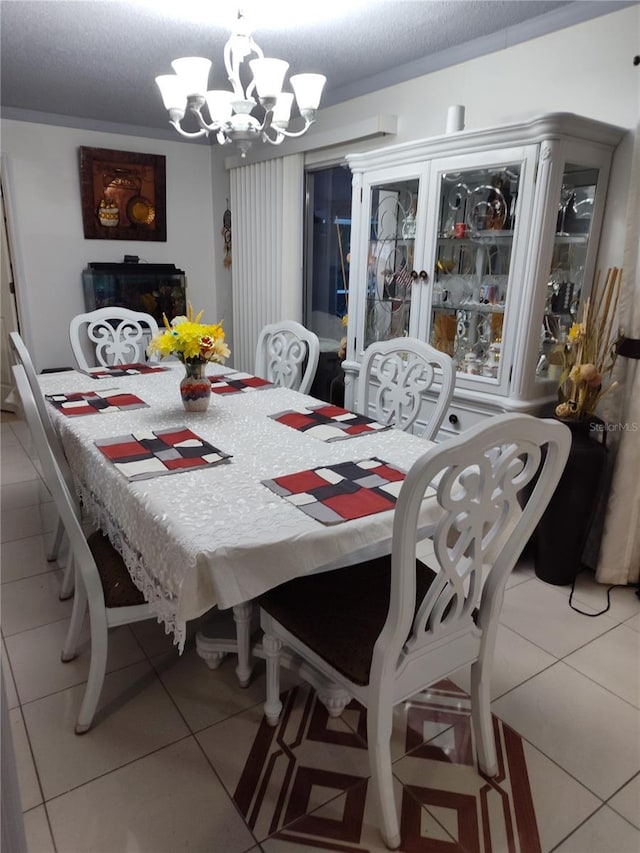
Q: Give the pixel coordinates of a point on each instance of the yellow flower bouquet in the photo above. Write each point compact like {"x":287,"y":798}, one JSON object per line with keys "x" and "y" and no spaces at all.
{"x":589,"y":355}
{"x":190,"y":340}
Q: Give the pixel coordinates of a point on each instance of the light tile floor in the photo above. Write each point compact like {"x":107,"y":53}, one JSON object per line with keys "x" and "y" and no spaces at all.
{"x":180,"y":759}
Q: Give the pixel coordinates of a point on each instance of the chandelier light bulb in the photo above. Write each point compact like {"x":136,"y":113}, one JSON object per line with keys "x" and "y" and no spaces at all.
{"x":308,"y":90}
{"x":219,"y":104}
{"x":282,"y":110}
{"x":172,"y":91}
{"x":193,"y":72}
{"x":269,"y":76}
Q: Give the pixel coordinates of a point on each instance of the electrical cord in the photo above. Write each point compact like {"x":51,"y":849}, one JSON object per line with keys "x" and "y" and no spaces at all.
{"x":608,"y":592}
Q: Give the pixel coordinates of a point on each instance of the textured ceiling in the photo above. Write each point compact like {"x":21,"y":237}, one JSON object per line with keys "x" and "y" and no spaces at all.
{"x":97,"y":59}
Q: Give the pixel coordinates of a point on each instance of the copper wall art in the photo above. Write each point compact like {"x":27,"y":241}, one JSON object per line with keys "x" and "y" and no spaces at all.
{"x":123,"y":195}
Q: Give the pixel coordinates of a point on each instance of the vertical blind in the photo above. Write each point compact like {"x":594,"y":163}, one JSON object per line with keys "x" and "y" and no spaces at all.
{"x":267,"y":206}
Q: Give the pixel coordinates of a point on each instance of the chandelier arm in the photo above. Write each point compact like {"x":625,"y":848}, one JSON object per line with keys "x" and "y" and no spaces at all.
{"x":255,"y":48}
{"x":214,"y":127}
{"x":266,"y":121}
{"x":233,"y":69}
{"x":292,"y":134}
{"x":278,"y":138}
{"x":250,"y":88}
{"x":189,"y":134}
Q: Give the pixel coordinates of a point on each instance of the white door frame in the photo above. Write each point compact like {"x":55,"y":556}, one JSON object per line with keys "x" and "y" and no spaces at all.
{"x":9,"y":308}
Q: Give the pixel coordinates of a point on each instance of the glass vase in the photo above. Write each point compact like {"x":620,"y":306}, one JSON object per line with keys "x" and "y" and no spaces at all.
{"x":195,"y":387}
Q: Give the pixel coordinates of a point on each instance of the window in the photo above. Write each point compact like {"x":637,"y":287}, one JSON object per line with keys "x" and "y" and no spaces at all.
{"x":326,"y":253}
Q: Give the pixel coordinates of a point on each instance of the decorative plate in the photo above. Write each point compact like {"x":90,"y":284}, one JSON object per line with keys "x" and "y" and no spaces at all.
{"x":140,"y":211}
{"x":487,"y":209}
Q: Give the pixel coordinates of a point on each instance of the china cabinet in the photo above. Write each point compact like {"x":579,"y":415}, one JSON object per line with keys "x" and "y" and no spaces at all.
{"x":482,"y":243}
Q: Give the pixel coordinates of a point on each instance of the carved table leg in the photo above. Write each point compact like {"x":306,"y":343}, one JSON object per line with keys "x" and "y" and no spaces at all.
{"x":271,"y":652}
{"x":242,"y":616}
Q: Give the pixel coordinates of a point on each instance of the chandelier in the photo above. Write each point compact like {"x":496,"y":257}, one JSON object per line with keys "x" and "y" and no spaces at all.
{"x":230,"y":113}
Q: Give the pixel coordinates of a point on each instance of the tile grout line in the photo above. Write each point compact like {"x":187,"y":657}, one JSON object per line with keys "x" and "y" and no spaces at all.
{"x":199,"y":746}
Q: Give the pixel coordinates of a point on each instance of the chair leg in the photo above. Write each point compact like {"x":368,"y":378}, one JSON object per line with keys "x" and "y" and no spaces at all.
{"x":52,"y":556}
{"x":67,"y":586}
{"x":481,"y":716}
{"x":70,"y":647}
{"x":334,"y":698}
{"x":379,"y":725}
{"x":97,"y":669}
{"x":273,"y":706}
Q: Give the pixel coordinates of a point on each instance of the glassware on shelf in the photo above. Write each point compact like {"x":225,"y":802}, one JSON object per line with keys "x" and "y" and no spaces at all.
{"x":443,"y":333}
{"x":459,"y":288}
{"x":483,"y":332}
{"x":456,"y":208}
{"x":487,"y":209}
{"x":461,"y":345}
{"x":492,"y":364}
{"x":473,"y":264}
{"x":409,"y":226}
{"x":471,"y":364}
{"x":567,"y":196}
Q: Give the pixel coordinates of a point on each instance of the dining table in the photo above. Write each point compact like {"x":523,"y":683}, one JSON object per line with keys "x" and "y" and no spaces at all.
{"x":229,"y":507}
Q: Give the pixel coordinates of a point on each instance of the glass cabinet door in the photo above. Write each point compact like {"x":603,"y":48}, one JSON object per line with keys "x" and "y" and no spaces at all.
{"x":475,"y":230}
{"x":565,"y":280}
{"x":391,"y":259}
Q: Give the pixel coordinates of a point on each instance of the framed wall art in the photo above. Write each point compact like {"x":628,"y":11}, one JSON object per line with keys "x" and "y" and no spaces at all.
{"x":123,"y":195}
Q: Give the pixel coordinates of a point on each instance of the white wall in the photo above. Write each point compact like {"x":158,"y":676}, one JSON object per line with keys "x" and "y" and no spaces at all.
{"x":585,"y":69}
{"x":42,"y":164}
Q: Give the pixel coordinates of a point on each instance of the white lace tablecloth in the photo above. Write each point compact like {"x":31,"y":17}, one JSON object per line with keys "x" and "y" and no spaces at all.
{"x":217,"y":536}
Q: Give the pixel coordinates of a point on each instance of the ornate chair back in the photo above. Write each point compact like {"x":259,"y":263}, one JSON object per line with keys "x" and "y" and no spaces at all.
{"x":287,"y":354}
{"x":111,"y":336}
{"x":395,"y":375}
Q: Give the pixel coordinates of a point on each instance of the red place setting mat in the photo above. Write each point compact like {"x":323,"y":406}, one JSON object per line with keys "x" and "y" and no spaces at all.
{"x":327,"y":422}
{"x":134,"y":369}
{"x":92,"y":403}
{"x":237,"y":382}
{"x":336,"y":493}
{"x":152,"y":453}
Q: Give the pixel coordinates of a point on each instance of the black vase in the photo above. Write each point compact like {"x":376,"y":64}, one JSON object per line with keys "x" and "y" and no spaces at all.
{"x":562,"y":532}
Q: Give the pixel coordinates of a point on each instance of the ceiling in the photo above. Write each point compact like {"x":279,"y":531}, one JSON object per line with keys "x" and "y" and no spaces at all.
{"x":92,"y":63}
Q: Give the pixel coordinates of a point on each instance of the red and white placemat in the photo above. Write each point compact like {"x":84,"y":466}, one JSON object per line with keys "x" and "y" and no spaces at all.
{"x":327,"y":422}
{"x":134,"y":369}
{"x":237,"y":382}
{"x":153,"y":453}
{"x":94,"y":403}
{"x":335,"y":493}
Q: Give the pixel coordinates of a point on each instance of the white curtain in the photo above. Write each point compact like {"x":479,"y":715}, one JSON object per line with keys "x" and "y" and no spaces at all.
{"x":267,"y":205}
{"x":619,"y":560}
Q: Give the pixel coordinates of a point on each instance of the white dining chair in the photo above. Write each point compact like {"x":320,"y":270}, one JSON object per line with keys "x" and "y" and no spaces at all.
{"x":22,"y":356}
{"x":102,"y":582}
{"x":395,"y":377}
{"x":287,"y":354}
{"x":110,"y":336}
{"x":385,"y":629}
